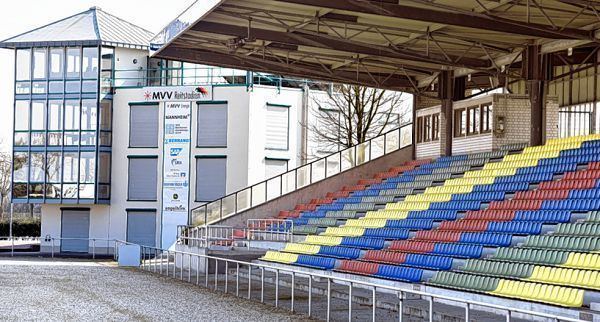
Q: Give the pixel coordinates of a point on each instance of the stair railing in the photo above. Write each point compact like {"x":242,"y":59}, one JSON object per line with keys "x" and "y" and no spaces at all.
{"x":302,"y":176}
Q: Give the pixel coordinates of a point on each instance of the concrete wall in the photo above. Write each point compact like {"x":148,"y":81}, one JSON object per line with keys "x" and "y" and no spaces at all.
{"x":321,"y":188}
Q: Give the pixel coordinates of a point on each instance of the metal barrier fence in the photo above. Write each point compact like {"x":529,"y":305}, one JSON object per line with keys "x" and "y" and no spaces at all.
{"x":221,"y":274}
{"x":14,"y":239}
{"x":93,"y":241}
{"x":302,"y":176}
{"x":270,"y":229}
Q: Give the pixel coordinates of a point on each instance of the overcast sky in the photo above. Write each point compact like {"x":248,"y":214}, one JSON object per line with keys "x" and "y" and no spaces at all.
{"x":20,"y":16}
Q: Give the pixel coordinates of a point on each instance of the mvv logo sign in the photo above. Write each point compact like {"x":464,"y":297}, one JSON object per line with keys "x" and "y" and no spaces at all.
{"x":182,"y":93}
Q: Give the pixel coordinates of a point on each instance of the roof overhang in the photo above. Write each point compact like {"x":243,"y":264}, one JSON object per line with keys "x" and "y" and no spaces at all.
{"x":400,"y":45}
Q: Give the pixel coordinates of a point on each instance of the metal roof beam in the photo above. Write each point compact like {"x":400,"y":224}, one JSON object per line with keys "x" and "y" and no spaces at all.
{"x":306,"y":38}
{"x":471,"y":20}
{"x":233,"y":60}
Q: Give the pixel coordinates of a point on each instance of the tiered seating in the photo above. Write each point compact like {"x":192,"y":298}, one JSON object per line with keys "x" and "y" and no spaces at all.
{"x":484,"y":231}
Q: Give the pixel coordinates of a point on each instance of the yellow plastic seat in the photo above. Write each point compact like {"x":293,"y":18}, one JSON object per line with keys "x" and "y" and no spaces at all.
{"x":407,"y":205}
{"x":366,"y":222}
{"x":344,"y":231}
{"x":557,"y":295}
{"x":322,"y":240}
{"x":566,"y":276}
{"x":583,"y":260}
{"x":274,"y":256}
{"x":301,"y":248}
{"x":386,"y":214}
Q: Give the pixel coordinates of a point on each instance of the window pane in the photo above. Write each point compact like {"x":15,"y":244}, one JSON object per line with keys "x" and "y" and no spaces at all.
{"x":88,"y":138}
{"x":39,"y":63}
{"x":276,"y":128}
{"x":70,"y":167}
{"x":143,"y":127}
{"x":38,"y":138}
{"x":53,"y":167}
{"x":90,"y":62}
{"x":23,"y":64}
{"x":106,"y":115}
{"x":73,"y":87}
{"x":21,"y":115}
{"x":71,"y":115}
{"x":212,"y":125}
{"x":38,"y":87}
{"x":104,"y":167}
{"x":55,"y":138}
{"x":23,"y":87}
{"x":36,"y":190}
{"x":20,"y":167}
{"x":86,"y":191}
{"x":20,"y":190}
{"x":89,"y":86}
{"x":56,"y":87}
{"x":142,"y":178}
{"x":55,"y":115}
{"x":71,"y":138}
{"x":21,"y":138}
{"x":107,"y":57}
{"x":37,"y":167}
{"x":53,"y":191}
{"x":38,"y":115}
{"x":89,"y":114}
{"x":87,"y":167}
{"x":69,"y":191}
{"x":73,"y":62}
{"x":57,"y":61}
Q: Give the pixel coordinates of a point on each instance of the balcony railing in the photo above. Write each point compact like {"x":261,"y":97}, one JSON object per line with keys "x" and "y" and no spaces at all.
{"x":206,"y":75}
{"x":302,"y":176}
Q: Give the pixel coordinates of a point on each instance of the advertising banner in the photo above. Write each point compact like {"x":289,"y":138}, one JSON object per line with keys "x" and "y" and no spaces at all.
{"x":176,"y":169}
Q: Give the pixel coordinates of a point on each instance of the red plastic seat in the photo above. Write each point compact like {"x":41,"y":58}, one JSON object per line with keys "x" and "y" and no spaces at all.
{"x":338,"y":194}
{"x":412,"y":246}
{"x":383,"y":256}
{"x":593,"y":166}
{"x":305,"y":207}
{"x":438,"y":235}
{"x":582,"y":175}
{"x":495,"y":215}
{"x":321,"y":201}
{"x":567,"y":184}
{"x":367,"y":182}
{"x":464,"y":225}
{"x":358,"y":267}
{"x":354,"y":187}
{"x":516,"y":204}
{"x":401,"y":169}
{"x":541,"y":195}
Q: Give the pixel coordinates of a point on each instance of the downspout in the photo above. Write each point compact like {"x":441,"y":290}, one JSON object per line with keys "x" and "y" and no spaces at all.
{"x":303,"y":127}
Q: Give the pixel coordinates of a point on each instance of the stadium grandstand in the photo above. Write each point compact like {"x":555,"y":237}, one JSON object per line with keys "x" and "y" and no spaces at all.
{"x":486,"y":208}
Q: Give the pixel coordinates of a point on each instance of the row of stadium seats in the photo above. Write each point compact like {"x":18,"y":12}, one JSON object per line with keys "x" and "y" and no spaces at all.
{"x":540,"y":245}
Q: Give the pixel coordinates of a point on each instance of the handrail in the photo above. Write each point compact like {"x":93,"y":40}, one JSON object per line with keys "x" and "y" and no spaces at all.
{"x":191,"y":76}
{"x":153,"y":261}
{"x":292,"y":180}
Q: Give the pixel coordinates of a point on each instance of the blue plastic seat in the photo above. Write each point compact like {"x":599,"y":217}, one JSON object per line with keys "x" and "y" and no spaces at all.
{"x":547,"y":216}
{"x":316,"y":261}
{"x":313,"y":214}
{"x":340,"y":252}
{"x":504,"y":187}
{"x":458,"y":250}
{"x":333,"y":206}
{"x":433,"y":214}
{"x":401,"y":273}
{"x":346,"y":200}
{"x":455,"y":205}
{"x":386,"y":233}
{"x":429,"y":261}
{"x":516,"y":227}
{"x":421,"y":224}
{"x":363,"y":242}
{"x":366,"y":193}
{"x":491,"y":239}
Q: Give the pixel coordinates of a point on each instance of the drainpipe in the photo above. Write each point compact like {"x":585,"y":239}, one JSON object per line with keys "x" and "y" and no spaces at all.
{"x":304,"y":120}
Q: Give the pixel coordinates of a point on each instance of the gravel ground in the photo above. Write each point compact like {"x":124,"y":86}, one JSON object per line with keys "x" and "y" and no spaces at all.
{"x":46,"y":289}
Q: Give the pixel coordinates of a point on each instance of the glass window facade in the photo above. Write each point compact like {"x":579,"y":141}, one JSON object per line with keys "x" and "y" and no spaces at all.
{"x":62,"y":125}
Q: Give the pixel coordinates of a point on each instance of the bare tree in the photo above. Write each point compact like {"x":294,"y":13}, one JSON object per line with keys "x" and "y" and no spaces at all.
{"x":5,"y":179}
{"x":351,"y":114}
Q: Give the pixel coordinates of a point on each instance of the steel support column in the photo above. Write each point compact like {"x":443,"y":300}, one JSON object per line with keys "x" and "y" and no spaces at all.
{"x":445,"y":93}
{"x":534,"y":68}
{"x":414,"y":124}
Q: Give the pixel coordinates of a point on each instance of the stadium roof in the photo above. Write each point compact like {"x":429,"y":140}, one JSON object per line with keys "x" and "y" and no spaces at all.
{"x":386,"y":43}
{"x":91,"y":27}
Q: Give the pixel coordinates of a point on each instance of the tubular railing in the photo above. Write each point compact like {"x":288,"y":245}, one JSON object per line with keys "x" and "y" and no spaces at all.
{"x":213,"y":235}
{"x":270,"y":229}
{"x":250,"y":280}
{"x":302,"y":176}
{"x":13,"y":239}
{"x":190,"y":76}
{"x":92,"y":243}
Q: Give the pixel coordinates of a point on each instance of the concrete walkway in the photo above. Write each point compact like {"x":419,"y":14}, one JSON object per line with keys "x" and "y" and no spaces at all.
{"x":46,"y":289}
